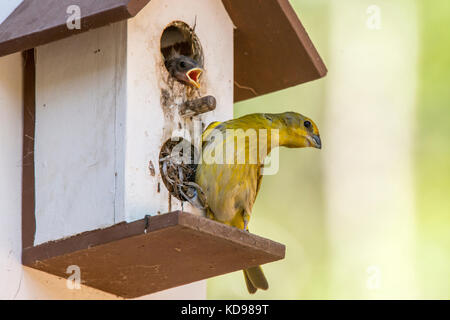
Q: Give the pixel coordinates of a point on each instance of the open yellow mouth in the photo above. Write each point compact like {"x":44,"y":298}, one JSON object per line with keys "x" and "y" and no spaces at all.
{"x":194,"y":76}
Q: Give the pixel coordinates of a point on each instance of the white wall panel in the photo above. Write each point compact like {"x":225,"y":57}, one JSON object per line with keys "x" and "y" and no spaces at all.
{"x":78,"y":93}
{"x":147,"y":125}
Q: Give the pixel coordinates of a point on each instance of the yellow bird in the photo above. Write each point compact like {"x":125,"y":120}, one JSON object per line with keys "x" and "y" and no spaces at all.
{"x":230,"y":171}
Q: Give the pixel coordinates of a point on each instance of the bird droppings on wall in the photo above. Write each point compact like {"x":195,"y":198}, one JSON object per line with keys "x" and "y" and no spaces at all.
{"x":151,"y":168}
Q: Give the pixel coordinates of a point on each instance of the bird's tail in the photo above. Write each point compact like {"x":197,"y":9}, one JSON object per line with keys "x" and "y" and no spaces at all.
{"x":255,"y":279}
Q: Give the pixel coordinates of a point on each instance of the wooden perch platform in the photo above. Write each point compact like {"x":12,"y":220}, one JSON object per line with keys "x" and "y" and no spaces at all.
{"x":176,"y":249}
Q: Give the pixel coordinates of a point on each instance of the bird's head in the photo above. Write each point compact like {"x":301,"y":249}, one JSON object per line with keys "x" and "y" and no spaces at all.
{"x":299,"y":131}
{"x":184,"y":69}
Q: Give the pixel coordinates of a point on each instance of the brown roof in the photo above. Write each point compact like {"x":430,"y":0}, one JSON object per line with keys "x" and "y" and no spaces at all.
{"x":272,"y":50}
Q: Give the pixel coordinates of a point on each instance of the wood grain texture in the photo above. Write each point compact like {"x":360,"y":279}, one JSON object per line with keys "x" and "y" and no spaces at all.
{"x":198,"y":106}
{"x":178,"y":248}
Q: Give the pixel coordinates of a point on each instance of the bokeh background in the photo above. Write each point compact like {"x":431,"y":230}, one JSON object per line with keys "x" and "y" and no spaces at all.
{"x":368,"y":216}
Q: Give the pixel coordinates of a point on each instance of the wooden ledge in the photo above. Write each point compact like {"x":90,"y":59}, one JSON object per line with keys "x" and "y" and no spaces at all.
{"x":178,"y":248}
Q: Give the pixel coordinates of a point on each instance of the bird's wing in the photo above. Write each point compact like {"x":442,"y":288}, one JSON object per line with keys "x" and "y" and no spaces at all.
{"x":210,"y":128}
{"x":208,"y":131}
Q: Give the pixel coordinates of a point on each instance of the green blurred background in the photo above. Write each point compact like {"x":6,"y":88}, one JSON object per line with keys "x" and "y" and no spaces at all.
{"x":368,"y":216}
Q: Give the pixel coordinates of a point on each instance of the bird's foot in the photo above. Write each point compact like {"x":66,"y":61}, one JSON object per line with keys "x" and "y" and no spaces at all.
{"x":246,"y":218}
{"x":246,"y":225}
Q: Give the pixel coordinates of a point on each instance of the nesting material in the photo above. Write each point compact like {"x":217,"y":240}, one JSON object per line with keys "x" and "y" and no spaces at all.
{"x":178,"y":168}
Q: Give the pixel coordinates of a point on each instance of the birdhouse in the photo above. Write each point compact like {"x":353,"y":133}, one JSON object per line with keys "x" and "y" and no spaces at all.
{"x":101,"y":104}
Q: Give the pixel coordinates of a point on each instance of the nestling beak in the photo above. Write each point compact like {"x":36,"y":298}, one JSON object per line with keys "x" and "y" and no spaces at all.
{"x":193,"y":76}
{"x":315,"y":141}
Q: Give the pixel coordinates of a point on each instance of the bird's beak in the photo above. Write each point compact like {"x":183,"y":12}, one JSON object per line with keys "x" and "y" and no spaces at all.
{"x":315,"y":141}
{"x":193,"y":76}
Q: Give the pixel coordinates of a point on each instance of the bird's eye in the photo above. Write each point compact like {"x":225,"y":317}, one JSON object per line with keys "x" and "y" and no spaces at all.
{"x":183,"y":64}
{"x":307,"y":124}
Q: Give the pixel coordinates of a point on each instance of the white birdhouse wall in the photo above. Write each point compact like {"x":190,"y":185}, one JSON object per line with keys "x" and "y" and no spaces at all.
{"x":147,"y":78}
{"x":79,"y":100}
{"x":103,"y":113}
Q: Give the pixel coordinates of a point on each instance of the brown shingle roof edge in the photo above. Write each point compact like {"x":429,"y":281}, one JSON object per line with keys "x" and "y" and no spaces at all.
{"x":272,"y":50}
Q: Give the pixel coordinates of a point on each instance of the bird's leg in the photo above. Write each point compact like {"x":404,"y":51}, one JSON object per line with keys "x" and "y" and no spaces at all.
{"x":246,"y":218}
{"x":210,"y":214}
{"x":245,"y":224}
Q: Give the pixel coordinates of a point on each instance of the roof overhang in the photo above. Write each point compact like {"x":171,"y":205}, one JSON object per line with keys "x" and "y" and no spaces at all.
{"x":272,"y":50}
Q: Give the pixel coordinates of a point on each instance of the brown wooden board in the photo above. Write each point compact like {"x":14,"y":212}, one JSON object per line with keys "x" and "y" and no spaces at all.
{"x":29,"y":123}
{"x":178,"y":248}
{"x":272,"y":50}
{"x":37,"y":22}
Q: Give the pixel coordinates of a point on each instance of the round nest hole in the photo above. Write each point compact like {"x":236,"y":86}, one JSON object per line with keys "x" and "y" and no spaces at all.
{"x":179,"y":37}
{"x":177,"y":167}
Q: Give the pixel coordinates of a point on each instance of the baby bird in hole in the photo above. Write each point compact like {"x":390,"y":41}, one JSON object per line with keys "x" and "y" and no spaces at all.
{"x":185,"y":69}
{"x":229,"y":190}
